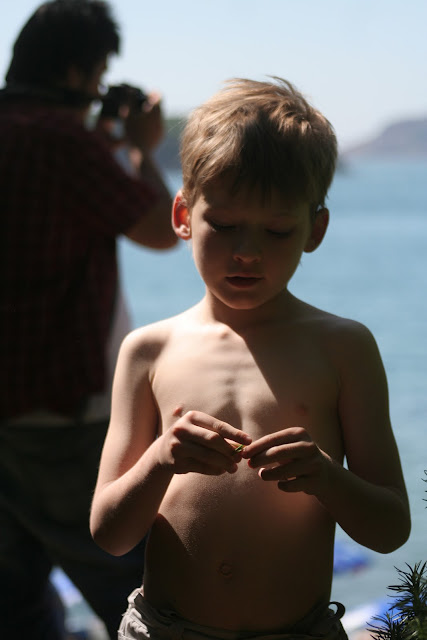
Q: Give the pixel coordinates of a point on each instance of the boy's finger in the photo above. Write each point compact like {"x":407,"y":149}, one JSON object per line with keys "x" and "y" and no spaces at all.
{"x":223,"y":429}
{"x":283,"y":472}
{"x":209,"y":458}
{"x":206,"y":439}
{"x":287,"y":436}
{"x":282,"y":454}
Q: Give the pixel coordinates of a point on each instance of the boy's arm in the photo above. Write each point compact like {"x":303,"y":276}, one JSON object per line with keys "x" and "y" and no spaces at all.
{"x":137,"y":466}
{"x":132,"y":430}
{"x":369,"y":500}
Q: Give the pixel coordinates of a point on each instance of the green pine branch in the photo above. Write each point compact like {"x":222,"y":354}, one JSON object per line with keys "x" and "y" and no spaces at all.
{"x":407,"y":616}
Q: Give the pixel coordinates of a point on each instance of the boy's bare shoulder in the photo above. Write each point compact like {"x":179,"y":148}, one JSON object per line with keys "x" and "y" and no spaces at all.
{"x":345,"y":333}
{"x":149,"y":340}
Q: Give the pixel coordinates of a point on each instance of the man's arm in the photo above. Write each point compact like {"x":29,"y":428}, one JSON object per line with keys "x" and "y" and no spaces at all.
{"x":143,"y":131}
{"x":154,"y":228}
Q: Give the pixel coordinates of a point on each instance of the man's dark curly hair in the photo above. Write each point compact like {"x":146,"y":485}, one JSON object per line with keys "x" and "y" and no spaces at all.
{"x":59,"y":34}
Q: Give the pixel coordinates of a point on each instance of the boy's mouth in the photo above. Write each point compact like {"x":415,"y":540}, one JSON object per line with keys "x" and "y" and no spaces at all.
{"x":243,"y":282}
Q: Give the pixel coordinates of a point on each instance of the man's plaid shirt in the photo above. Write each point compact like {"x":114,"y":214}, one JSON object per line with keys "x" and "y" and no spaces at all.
{"x":63,"y":202}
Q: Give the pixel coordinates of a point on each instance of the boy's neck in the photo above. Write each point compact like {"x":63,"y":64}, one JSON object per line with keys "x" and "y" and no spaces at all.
{"x":213,"y":311}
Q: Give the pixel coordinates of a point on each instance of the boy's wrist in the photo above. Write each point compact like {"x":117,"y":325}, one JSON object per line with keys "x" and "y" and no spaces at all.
{"x":164,"y":465}
{"x":329,"y":478}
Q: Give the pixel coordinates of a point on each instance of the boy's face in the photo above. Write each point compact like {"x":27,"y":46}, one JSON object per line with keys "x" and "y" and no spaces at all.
{"x":247,"y":250}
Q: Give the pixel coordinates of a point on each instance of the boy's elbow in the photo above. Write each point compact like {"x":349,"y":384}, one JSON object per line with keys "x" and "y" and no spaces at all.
{"x":103,"y":538}
{"x":396,"y":536}
{"x":403,"y":538}
{"x":388,"y":546}
{"x":105,"y":543}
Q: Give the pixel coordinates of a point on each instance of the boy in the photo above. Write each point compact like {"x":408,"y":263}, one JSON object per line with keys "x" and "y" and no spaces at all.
{"x":230,"y":422}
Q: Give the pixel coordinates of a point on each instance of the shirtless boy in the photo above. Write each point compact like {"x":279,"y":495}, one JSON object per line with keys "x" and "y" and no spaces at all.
{"x":241,"y":538}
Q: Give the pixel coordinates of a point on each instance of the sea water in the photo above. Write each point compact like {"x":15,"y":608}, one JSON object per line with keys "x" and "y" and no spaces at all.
{"x":372,"y":267}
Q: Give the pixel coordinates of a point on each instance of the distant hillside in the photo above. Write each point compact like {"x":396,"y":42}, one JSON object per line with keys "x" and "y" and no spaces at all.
{"x":406,"y":138}
{"x":167,"y":153}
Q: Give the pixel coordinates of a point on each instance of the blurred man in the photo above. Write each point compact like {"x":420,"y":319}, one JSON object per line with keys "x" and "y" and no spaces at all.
{"x":64,"y":200}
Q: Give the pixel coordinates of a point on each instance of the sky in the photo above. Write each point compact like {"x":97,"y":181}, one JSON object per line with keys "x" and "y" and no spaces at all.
{"x":363,"y":63}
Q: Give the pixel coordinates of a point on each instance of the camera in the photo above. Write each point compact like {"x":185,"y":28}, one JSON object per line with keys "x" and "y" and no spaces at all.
{"x":121,"y":95}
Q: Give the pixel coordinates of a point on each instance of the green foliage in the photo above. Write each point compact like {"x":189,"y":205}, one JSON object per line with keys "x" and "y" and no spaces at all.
{"x":407,"y":617}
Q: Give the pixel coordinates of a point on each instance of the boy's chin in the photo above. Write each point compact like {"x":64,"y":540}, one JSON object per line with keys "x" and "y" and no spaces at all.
{"x":243,"y":303}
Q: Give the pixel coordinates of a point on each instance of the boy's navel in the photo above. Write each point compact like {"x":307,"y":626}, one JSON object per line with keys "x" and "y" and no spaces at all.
{"x":225,"y":570}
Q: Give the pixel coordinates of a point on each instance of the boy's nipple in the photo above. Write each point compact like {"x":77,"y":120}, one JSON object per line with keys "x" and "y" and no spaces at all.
{"x":178,"y":411}
{"x":302,"y":409}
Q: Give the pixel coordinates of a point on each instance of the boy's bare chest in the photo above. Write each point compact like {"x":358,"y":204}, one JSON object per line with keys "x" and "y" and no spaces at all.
{"x":258,"y":387}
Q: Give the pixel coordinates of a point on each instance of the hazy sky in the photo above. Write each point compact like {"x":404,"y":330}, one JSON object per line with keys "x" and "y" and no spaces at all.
{"x":362,"y":62}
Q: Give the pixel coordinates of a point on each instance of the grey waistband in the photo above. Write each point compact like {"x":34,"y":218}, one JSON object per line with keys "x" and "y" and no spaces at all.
{"x":321,"y":623}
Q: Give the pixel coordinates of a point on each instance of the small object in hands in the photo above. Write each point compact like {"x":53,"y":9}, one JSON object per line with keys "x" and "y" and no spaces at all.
{"x":239,"y":448}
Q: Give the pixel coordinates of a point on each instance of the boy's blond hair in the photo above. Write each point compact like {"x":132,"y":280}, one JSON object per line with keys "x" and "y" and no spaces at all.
{"x":259,"y":134}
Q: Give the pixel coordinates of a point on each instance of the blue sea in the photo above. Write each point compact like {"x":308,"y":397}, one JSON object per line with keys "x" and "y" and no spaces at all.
{"x":372,"y":266}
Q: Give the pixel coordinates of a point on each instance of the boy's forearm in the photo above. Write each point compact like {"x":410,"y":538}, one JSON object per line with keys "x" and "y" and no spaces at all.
{"x":375,"y":516}
{"x":124,"y":510}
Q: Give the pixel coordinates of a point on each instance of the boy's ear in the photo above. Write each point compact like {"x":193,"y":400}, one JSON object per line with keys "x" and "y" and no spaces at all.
{"x":318,"y":230}
{"x":181,"y":221}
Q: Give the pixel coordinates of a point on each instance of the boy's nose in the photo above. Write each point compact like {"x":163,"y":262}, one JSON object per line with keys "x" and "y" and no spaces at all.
{"x":247,"y":247}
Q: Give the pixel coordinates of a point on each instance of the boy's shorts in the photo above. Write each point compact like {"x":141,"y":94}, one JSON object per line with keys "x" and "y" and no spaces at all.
{"x":142,"y":621}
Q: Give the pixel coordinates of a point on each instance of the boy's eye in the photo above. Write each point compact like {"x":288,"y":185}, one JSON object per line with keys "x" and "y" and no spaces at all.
{"x":279,"y":234}
{"x":221,"y":227}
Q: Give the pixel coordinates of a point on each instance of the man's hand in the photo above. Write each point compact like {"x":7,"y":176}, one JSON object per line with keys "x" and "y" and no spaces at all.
{"x":290,"y":458}
{"x":145,"y":127}
{"x":198,"y":443}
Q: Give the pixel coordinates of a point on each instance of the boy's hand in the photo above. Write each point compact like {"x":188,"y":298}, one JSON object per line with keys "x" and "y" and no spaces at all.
{"x":290,"y":458}
{"x":197,"y":442}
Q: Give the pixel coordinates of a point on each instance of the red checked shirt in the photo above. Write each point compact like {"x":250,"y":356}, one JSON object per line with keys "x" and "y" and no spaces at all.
{"x":63,"y":202}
